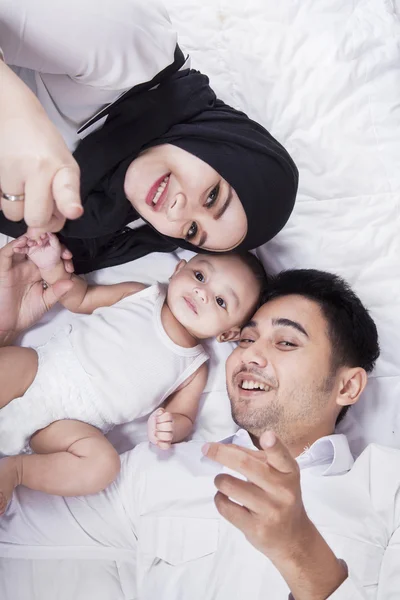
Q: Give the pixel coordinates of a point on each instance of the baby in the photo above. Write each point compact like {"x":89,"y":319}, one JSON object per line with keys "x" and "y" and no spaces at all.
{"x":136,"y":349}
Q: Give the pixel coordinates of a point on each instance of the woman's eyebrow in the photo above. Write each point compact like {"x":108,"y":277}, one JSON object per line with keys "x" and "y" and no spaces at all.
{"x":218,"y":215}
{"x":223,"y":208}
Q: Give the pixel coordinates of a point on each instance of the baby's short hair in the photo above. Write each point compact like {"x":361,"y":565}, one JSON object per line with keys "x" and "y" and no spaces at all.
{"x":256,"y":267}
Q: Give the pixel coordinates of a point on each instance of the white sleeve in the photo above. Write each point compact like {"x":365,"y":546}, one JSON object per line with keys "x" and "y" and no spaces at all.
{"x":111,"y":44}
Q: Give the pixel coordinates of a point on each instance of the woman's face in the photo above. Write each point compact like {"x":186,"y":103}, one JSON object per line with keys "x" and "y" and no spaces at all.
{"x":183,"y":197}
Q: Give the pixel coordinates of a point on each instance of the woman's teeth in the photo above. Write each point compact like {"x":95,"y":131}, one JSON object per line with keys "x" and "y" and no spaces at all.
{"x":254,"y":385}
{"x":160,"y":190}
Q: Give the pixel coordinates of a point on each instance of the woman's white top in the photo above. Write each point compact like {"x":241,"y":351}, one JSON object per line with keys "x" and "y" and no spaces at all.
{"x":79,"y":55}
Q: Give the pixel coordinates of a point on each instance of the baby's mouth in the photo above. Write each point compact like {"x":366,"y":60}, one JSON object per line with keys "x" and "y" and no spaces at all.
{"x":192,"y":306}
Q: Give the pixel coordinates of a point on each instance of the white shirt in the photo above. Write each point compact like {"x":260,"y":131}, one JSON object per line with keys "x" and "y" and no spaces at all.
{"x":155,"y":533}
{"x":79,"y":55}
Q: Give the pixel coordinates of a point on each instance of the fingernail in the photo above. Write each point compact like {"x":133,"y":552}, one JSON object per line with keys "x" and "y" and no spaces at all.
{"x":269,"y":439}
{"x":159,"y":412}
{"x":205,"y":448}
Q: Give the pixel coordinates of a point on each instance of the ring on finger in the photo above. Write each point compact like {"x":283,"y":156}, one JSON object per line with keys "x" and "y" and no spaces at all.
{"x":13,"y":197}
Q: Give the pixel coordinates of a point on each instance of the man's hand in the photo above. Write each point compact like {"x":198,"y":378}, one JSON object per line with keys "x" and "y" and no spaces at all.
{"x":23,"y":300}
{"x":270,"y":511}
{"x":268,"y":508}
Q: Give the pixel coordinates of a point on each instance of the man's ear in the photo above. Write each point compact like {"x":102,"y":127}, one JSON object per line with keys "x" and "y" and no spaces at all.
{"x":179,"y":267}
{"x":351,"y":387}
{"x":232,"y":335}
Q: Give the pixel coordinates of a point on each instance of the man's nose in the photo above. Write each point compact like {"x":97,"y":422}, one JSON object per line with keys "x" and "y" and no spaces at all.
{"x":255,"y":355}
{"x":201,"y":293}
{"x":177,"y":208}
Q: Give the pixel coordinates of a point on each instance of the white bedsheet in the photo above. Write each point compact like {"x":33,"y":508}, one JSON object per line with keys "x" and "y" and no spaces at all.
{"x":324,"y":77}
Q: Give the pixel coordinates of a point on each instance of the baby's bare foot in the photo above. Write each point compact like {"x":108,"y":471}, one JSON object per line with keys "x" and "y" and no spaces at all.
{"x":8,"y":481}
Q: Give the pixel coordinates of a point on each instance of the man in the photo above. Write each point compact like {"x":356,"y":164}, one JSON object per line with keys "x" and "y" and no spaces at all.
{"x":278,"y":524}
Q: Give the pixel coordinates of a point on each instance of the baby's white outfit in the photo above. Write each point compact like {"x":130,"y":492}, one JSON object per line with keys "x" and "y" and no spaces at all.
{"x":108,"y":368}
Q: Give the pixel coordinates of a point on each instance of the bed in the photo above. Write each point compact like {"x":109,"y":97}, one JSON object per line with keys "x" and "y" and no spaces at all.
{"x":324,"y":77}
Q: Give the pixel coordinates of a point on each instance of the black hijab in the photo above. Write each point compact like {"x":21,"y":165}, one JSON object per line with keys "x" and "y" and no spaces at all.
{"x":184,"y":111}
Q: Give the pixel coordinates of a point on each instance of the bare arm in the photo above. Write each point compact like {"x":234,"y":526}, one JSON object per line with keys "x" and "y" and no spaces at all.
{"x":175,"y":421}
{"x":84,"y":298}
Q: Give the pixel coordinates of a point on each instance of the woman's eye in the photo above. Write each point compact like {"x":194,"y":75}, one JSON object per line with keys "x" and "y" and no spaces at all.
{"x":221,"y":302}
{"x":192,"y":232}
{"x":199,"y":276}
{"x":212,"y":197}
{"x":286,"y":344}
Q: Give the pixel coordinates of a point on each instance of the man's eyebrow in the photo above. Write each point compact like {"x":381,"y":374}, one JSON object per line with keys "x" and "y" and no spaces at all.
{"x":252,"y":324}
{"x":289,"y":323}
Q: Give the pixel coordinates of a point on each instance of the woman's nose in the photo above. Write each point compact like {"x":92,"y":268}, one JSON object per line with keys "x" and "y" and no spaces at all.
{"x":255,"y":355}
{"x":177,"y":208}
{"x":201,"y":293}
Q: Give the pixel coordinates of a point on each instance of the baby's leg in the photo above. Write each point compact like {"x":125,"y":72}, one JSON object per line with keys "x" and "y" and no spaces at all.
{"x":72,"y":459}
{"x":18,"y":368}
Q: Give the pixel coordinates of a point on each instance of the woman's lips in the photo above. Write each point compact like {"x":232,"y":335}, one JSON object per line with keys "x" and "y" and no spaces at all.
{"x":153,"y":191}
{"x":191,"y":304}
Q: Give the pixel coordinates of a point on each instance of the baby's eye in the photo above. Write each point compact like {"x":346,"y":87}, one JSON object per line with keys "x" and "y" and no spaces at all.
{"x":192,"y":232}
{"x":199,"y":275}
{"x":221,"y":302}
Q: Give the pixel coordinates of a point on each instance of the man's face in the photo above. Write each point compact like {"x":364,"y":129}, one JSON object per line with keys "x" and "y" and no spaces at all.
{"x":279,"y":377}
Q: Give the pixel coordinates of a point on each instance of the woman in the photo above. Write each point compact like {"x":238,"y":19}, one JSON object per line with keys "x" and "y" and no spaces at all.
{"x":164,"y":148}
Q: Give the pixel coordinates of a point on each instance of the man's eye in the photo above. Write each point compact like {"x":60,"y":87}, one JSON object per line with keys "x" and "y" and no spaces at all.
{"x":286,"y":344}
{"x":192,"y":232}
{"x":221,"y":302}
{"x":245,"y":342}
{"x":212,"y":197}
{"x":199,"y":276}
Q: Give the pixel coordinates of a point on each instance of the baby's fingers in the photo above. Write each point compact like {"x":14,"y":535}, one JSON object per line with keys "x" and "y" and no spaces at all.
{"x":164,"y":417}
{"x":164,"y":445}
{"x":164,"y":436}
{"x":168,"y":427}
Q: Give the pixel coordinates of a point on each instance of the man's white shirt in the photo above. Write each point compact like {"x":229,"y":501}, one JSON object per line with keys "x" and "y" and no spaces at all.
{"x":155,"y":533}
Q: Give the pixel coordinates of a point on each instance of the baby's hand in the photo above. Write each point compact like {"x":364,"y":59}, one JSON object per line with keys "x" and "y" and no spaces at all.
{"x":44,"y":252}
{"x":160,"y":428}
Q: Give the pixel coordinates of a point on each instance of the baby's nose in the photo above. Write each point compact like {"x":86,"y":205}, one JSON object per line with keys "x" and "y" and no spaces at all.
{"x":202,"y":294}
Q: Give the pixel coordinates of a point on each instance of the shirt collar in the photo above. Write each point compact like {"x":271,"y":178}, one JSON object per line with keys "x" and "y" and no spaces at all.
{"x":331,"y":453}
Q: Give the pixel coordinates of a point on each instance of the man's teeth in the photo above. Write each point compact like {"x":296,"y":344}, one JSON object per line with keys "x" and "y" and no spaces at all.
{"x":160,"y":190}
{"x":254,"y":385}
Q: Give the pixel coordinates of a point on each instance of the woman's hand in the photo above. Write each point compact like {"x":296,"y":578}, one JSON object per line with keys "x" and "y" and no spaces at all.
{"x":23,"y":300}
{"x":35,"y":163}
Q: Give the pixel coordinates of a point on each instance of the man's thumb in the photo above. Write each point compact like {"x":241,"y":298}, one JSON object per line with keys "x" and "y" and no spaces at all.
{"x":55,"y":292}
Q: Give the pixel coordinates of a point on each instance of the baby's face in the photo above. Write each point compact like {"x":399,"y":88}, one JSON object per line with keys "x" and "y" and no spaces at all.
{"x":213,"y":295}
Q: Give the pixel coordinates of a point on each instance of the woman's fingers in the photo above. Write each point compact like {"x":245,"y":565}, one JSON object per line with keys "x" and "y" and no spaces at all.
{"x":12,"y":185}
{"x":39,"y":204}
{"x":66,"y":191}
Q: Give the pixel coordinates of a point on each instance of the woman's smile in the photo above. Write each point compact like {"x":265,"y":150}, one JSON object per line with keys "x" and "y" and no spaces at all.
{"x":158,"y":193}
